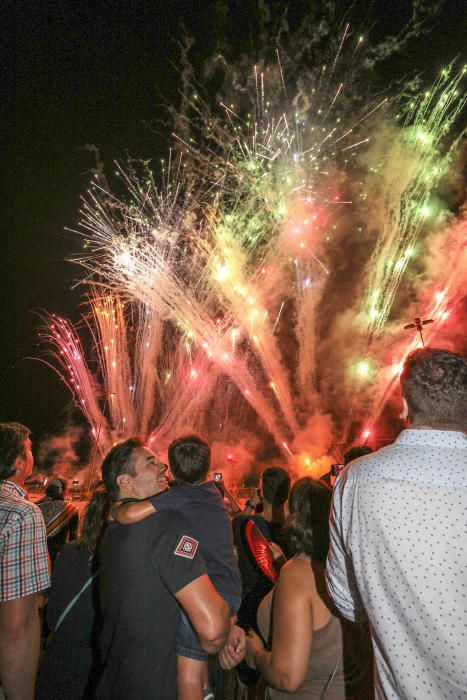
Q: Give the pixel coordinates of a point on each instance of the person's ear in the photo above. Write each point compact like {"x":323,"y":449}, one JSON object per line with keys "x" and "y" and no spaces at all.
{"x":124,"y":481}
{"x":404,"y":414}
{"x":19,"y":464}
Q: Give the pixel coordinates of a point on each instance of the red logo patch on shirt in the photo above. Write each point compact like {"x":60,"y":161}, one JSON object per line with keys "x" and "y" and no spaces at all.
{"x":186,"y":547}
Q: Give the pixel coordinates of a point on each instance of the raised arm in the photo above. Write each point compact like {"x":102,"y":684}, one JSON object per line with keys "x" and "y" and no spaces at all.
{"x":252,"y":503}
{"x":208,"y":612}
{"x":19,"y":646}
{"x":128,"y":513}
{"x":234,"y":506}
{"x":285,"y":666}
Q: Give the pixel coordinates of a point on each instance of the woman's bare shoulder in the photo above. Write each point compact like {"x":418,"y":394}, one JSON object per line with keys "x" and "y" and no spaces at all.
{"x":297,"y":573}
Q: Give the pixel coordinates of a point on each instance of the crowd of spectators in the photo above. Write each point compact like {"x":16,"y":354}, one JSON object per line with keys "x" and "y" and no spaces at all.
{"x":346,"y":588}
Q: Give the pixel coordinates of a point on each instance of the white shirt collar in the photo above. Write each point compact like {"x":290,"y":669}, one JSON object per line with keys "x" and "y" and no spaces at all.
{"x":425,"y":436}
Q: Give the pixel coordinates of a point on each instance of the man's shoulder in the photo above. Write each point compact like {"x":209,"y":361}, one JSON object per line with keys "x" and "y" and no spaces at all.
{"x":142,"y":540}
{"x":207,"y":490}
{"x":19,"y":508}
{"x":370,"y":464}
{"x":174,"y":534}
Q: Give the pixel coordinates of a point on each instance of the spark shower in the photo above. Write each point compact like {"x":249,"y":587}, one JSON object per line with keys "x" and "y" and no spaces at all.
{"x":253,"y":286}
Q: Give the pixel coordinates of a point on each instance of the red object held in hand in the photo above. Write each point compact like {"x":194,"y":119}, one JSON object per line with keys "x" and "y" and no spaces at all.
{"x":259,"y":547}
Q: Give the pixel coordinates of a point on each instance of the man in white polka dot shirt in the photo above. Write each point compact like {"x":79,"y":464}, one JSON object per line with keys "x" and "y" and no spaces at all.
{"x":398,"y":551}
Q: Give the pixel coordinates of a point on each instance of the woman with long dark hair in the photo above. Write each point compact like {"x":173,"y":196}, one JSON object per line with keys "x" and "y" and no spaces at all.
{"x":301,"y":655}
{"x":71,"y":660}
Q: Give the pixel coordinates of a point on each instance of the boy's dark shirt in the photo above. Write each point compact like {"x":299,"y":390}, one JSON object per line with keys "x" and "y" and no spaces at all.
{"x":142,"y":566}
{"x":208,"y":517}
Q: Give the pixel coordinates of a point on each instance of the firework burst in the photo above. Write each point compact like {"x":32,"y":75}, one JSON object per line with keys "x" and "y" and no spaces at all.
{"x":254,"y":293}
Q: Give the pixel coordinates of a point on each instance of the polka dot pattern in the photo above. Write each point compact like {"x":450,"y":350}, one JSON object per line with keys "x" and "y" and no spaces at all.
{"x":398,"y":556}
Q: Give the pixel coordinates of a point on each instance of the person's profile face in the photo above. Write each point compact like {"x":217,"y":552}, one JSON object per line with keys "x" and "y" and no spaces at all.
{"x":150,"y":473}
{"x":25,"y":462}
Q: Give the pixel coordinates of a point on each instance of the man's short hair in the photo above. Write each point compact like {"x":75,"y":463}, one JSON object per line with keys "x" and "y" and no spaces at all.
{"x":189,"y":459}
{"x":12,"y":439}
{"x":118,"y":461}
{"x":356,"y":452}
{"x":434,"y":384}
{"x":275,"y":485}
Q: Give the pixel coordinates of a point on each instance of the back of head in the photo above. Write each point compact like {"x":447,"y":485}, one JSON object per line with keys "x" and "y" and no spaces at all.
{"x":356,"y":452}
{"x":275,"y":485}
{"x":57,"y":488}
{"x":95,"y":520}
{"x":309,"y":506}
{"x":119,"y":460}
{"x":434,"y":385}
{"x":189,"y":459}
{"x":12,"y":438}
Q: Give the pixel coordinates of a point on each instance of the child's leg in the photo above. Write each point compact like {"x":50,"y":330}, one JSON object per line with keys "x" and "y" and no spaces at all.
{"x":191,"y":678}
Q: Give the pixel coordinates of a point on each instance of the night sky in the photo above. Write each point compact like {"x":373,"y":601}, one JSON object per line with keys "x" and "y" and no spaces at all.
{"x":97,"y":73}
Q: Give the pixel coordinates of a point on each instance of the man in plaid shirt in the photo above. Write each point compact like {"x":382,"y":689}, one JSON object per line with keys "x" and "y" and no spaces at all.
{"x":24,"y":566}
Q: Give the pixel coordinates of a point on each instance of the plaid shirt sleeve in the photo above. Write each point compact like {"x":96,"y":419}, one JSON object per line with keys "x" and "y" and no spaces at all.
{"x":24,"y":562}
